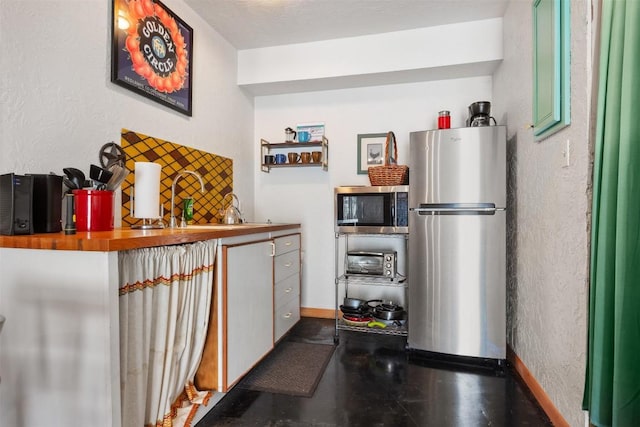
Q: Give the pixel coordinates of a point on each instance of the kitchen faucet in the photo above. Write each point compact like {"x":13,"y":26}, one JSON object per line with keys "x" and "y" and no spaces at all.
{"x":172,"y":220}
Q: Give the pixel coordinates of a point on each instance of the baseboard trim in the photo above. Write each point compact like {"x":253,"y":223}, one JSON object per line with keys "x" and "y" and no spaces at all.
{"x":321,"y":313}
{"x":536,"y":389}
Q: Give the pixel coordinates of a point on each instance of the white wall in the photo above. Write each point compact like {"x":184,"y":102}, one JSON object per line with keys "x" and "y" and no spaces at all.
{"x":58,"y":106}
{"x":374,"y":60}
{"x":548,"y":236}
{"x":305,"y":195}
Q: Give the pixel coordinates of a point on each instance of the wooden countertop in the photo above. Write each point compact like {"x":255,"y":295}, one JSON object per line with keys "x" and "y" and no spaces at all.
{"x":125,"y":238}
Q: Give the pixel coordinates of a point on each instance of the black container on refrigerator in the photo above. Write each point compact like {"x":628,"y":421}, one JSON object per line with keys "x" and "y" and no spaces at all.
{"x":480,"y":114}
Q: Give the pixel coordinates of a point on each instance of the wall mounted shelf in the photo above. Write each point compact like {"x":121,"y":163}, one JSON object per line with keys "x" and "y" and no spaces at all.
{"x":294,"y":147}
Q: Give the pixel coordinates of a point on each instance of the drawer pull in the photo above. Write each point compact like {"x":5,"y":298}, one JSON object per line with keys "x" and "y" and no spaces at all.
{"x":288,"y":243}
{"x":288,"y":290}
{"x":289,"y":264}
{"x":288,"y":315}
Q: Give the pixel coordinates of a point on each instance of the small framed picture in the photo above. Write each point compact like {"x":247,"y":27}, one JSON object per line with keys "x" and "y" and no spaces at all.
{"x":370,"y":151}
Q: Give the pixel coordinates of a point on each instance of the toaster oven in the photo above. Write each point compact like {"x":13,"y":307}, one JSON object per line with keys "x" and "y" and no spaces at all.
{"x":366,"y":263}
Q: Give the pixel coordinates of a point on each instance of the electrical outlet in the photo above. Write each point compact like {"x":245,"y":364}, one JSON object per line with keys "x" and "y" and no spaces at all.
{"x":566,"y":153}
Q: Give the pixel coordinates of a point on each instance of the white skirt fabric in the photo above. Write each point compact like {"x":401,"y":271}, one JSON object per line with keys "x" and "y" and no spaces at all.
{"x":165,"y":299}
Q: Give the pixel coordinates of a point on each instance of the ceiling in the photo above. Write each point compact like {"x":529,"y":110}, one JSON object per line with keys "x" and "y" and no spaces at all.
{"x":248,"y":24}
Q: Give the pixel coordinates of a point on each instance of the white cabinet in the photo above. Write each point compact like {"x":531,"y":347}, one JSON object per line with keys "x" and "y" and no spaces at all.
{"x":286,"y":284}
{"x":260,"y":299}
{"x":247,"y":307}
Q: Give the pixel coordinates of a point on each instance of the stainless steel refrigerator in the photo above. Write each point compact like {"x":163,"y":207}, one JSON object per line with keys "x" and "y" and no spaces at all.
{"x":457,"y":242}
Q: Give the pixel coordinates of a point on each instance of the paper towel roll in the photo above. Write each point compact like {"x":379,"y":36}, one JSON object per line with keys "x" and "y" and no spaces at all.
{"x":146,"y":201}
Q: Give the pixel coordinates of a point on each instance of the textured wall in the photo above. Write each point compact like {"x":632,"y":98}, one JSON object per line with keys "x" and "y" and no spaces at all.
{"x":58,"y":106}
{"x":548,"y":215}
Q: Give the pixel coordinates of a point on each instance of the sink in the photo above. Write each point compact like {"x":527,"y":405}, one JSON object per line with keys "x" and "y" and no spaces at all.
{"x":227,"y":226}
{"x":215,"y":226}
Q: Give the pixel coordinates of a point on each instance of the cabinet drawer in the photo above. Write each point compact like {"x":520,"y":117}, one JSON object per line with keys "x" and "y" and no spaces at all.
{"x":287,"y":244}
{"x":286,"y":317}
{"x":286,"y":265}
{"x":287,"y":289}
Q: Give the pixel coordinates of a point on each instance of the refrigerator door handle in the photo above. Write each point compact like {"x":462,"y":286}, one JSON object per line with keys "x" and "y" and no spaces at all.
{"x":456,"y":209}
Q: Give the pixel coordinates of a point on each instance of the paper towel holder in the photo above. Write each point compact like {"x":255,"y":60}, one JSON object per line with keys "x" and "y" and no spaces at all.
{"x":145,"y":196}
{"x":147,"y":223}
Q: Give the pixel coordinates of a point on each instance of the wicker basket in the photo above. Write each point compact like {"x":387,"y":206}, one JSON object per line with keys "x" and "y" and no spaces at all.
{"x":389,"y":174}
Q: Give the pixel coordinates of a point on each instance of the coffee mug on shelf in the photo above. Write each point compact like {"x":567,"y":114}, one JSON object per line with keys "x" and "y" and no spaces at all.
{"x":293,"y":157}
{"x":305,"y":157}
{"x":281,"y":159}
{"x":304,"y":136}
{"x":269,"y":159}
{"x":316,"y":156}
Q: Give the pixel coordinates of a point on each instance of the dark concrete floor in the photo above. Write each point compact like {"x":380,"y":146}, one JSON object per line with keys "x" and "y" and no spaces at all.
{"x":370,"y":381}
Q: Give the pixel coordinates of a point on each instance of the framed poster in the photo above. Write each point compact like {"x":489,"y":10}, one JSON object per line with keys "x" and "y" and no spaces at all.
{"x":370,"y":151}
{"x":152,"y":53}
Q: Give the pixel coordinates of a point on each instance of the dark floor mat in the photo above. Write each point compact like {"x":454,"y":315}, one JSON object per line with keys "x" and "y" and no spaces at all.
{"x":293,"y":368}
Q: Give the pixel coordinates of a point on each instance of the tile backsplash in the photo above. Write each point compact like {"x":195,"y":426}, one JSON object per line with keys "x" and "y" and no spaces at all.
{"x":216,"y":172}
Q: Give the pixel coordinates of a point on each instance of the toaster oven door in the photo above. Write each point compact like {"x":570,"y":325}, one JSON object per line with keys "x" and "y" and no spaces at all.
{"x":367,"y":263}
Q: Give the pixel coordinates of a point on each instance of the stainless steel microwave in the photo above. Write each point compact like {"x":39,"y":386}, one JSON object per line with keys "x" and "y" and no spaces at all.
{"x":376,"y":210}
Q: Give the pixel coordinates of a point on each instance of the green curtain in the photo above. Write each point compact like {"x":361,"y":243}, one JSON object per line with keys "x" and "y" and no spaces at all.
{"x":612,"y":387}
